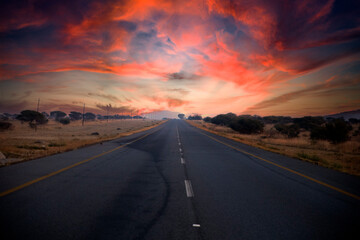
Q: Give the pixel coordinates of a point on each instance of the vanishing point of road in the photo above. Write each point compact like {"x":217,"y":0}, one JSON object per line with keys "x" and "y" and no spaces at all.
{"x":176,"y":182}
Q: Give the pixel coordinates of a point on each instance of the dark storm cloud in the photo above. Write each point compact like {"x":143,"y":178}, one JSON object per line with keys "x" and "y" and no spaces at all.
{"x":182,"y":75}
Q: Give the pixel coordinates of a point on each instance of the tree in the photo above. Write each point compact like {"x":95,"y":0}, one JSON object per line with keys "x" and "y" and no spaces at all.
{"x":309,"y":122}
{"x":207,"y":119}
{"x":181,"y":116}
{"x":291,"y":131}
{"x":318,"y":132}
{"x":336,"y":131}
{"x":247,"y":125}
{"x":3,"y":117}
{"x":45,"y":114}
{"x":277,"y":119}
{"x":89,"y":116}
{"x":195,"y":117}
{"x":6,"y":126}
{"x":75,"y":115}
{"x":33,"y":117}
{"x":57,"y":115}
{"x":64,"y":121}
{"x":354,"y":120}
{"x":224,"y":119}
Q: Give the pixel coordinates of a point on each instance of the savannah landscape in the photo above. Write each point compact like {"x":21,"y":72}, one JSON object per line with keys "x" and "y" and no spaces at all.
{"x":343,"y":156}
{"x":24,"y":143}
{"x":169,"y":119}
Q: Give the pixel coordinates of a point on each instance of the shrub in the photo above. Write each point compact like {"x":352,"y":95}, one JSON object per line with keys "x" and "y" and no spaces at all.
{"x":356,"y":132}
{"x":56,"y":144}
{"x":247,"y":125}
{"x":354,"y":120}
{"x":318,"y":132}
{"x":207,"y":119}
{"x":313,"y":157}
{"x":336,"y":131}
{"x":277,"y":119}
{"x":224,"y":119}
{"x":89,"y":116}
{"x":57,"y":115}
{"x":291,"y":131}
{"x":75,"y":115}
{"x":309,"y":122}
{"x":6,"y":126}
{"x":33,"y":117}
{"x":195,"y":117}
{"x":64,"y":121}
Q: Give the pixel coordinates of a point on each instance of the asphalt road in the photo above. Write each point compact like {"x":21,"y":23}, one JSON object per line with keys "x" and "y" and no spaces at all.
{"x":176,"y":182}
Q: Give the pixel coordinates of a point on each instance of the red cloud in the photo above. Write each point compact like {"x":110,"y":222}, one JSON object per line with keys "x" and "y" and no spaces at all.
{"x":169,"y":101}
{"x":254,"y":44}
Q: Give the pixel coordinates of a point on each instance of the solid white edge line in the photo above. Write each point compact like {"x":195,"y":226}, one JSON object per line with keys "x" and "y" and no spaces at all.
{"x":189,"y":190}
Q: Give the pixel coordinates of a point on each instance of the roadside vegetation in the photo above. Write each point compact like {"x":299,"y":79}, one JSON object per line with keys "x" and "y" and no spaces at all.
{"x":31,"y":134}
{"x":332,"y":143}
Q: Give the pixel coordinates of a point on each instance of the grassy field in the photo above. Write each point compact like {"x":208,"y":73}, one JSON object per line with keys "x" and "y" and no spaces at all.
{"x":344,"y":157}
{"x":23,"y":143}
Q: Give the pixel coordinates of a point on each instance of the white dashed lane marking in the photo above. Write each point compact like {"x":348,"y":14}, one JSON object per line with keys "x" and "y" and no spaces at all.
{"x":189,"y":190}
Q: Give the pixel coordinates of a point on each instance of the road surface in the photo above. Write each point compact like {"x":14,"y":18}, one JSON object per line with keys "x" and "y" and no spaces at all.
{"x":176,"y":182}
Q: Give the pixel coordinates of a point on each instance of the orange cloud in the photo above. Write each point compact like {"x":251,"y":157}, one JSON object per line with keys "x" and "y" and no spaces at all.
{"x":147,"y":48}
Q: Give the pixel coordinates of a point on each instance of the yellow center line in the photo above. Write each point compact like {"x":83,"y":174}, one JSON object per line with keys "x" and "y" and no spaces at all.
{"x":11,"y":190}
{"x":288,"y":169}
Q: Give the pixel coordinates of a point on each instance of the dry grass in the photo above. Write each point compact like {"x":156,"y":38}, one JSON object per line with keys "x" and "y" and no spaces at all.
{"x":24,"y":143}
{"x":344,"y":157}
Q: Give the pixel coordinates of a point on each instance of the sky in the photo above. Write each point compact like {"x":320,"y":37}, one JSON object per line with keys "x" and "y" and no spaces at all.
{"x":290,"y":57}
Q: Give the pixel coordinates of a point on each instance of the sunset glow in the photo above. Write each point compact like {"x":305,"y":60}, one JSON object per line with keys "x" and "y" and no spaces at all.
{"x":290,"y":58}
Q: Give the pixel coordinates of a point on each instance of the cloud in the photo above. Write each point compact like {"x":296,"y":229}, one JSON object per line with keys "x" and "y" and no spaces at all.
{"x":116,"y":110}
{"x":324,"y":89}
{"x":179,"y":90}
{"x":105,"y":96}
{"x":170,"y":101}
{"x":182,"y":76}
{"x":13,"y":106}
{"x":161,"y":45}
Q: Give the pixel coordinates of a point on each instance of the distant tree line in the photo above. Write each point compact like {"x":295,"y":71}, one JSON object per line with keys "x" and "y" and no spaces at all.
{"x":195,"y":117}
{"x":34,"y":118}
{"x":330,"y":129}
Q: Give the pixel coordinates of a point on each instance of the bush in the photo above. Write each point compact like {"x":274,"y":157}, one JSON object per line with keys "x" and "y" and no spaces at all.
{"x":195,"y":117}
{"x":224,"y":119}
{"x":33,"y":117}
{"x":309,"y":122}
{"x":57,"y":115}
{"x":354,"y":120}
{"x":336,"y":131}
{"x":75,"y":115}
{"x":291,"y":131}
{"x":277,"y":119}
{"x":89,"y":116}
{"x":64,"y":121}
{"x":356,"y":132}
{"x":207,"y":119}
{"x":6,"y":126}
{"x":247,"y":125}
{"x":318,"y":132}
